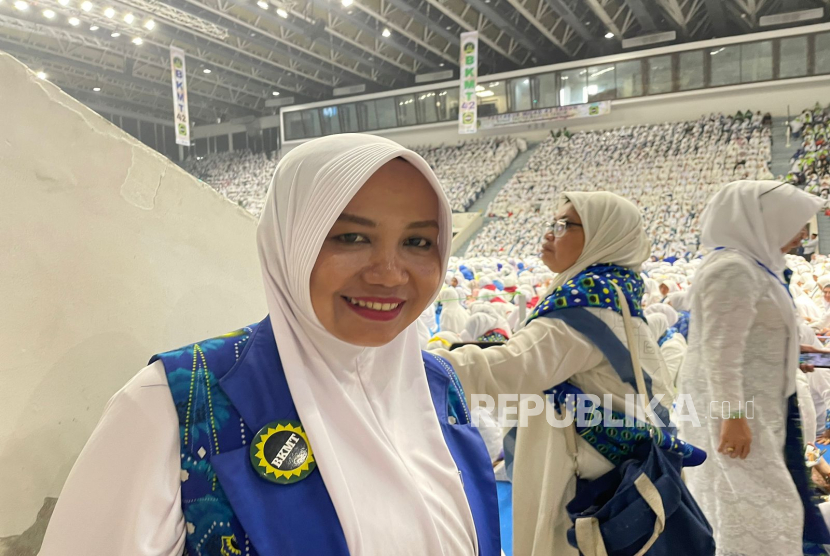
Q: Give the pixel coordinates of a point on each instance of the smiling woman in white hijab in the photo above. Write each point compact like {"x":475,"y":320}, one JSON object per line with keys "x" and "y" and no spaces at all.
{"x":596,"y":239}
{"x":740,"y":371}
{"x":320,"y":430}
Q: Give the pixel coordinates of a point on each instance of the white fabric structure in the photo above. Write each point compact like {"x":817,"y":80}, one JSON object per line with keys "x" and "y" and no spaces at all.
{"x":669,"y":171}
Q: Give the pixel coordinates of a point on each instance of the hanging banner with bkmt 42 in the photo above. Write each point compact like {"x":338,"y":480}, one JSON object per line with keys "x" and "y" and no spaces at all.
{"x":181,"y":124}
{"x":467,"y":113}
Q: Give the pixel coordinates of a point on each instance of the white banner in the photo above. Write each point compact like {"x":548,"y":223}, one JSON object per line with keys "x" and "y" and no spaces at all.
{"x":467,"y":113}
{"x":181,"y":117}
{"x":557,"y":113}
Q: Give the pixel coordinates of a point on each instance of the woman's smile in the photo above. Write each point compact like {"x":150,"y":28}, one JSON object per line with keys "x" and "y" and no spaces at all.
{"x":375,"y":308}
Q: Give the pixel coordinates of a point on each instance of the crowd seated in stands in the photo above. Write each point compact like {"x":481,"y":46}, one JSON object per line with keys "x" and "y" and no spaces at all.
{"x":811,"y":162}
{"x":668,"y":170}
{"x":467,"y":169}
{"x":241,"y":176}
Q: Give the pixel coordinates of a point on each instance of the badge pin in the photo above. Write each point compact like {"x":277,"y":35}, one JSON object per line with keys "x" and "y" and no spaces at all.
{"x":281,"y":453}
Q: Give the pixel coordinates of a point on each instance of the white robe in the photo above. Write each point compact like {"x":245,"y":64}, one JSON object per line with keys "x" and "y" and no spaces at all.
{"x":737,"y":353}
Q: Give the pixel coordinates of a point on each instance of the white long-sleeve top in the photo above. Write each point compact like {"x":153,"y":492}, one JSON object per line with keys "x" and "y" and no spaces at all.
{"x":123,"y":496}
{"x":543,"y":354}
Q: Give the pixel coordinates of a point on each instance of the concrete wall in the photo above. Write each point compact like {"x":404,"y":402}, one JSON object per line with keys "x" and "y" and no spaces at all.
{"x":109,"y":253}
{"x":773,"y":97}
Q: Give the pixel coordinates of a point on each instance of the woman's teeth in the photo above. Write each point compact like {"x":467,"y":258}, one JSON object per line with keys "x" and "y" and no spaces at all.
{"x":372,"y":305}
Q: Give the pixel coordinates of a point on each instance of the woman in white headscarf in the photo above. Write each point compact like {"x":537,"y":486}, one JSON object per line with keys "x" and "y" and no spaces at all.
{"x":597,"y":238}
{"x":321,"y":429}
{"x":672,"y":344}
{"x":742,"y":359}
{"x":454,"y":317}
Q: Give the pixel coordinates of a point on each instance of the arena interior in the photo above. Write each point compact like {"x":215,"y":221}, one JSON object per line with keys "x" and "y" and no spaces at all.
{"x":129,"y":220}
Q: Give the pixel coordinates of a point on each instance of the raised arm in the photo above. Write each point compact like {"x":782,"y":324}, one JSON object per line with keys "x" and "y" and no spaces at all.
{"x":543,"y":354}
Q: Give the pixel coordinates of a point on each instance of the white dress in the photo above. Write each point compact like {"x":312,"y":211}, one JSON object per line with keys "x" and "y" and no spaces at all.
{"x":737,"y":353}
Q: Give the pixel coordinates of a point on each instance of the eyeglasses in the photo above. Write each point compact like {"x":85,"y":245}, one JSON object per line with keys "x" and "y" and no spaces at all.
{"x":560,"y":227}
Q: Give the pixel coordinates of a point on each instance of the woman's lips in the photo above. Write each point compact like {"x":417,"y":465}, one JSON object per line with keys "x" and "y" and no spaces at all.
{"x":371,"y":312}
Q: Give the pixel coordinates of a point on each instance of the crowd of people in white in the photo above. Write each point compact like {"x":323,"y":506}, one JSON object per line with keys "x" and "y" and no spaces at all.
{"x":241,"y":176}
{"x":488,"y":298}
{"x":811,"y":162}
{"x":668,"y":170}
{"x":467,"y":169}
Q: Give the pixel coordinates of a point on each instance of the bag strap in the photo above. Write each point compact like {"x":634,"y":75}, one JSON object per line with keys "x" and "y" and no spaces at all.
{"x":589,"y":539}
{"x":570,"y":431}
{"x":633,"y":349}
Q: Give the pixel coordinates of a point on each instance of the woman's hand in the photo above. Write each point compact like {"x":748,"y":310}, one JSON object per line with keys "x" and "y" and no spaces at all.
{"x":735,"y":438}
{"x":806,"y":368}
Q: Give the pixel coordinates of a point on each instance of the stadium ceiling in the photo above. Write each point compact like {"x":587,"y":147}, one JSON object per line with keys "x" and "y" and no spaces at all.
{"x":241,"y":53}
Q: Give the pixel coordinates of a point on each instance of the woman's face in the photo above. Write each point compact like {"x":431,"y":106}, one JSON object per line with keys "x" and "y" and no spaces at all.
{"x":380,"y":265}
{"x":561,"y":253}
{"x":664,"y":289}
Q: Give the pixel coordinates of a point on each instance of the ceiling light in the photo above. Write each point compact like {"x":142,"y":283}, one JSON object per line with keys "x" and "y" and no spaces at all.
{"x":97,"y":89}
{"x":63,"y":2}
{"x":275,"y":93}
{"x":94,"y":28}
{"x":609,"y":35}
{"x":262,"y":4}
{"x":129,"y":18}
{"x":149,"y":24}
{"x":441,"y":64}
{"x":86,"y":6}
{"x":115,"y":34}
{"x":21,"y":5}
{"x":206,"y":70}
{"x":387,"y":33}
{"x":109,"y":12}
{"x":282,"y":13}
{"x":48,"y":14}
{"x":41,"y":75}
{"x":138,"y":41}
{"x":485,"y":94}
{"x":347,"y":3}
{"x":74,"y":21}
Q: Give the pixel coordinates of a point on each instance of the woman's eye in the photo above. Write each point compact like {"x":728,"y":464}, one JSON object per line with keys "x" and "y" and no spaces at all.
{"x":352,"y":238}
{"x":419,"y":242}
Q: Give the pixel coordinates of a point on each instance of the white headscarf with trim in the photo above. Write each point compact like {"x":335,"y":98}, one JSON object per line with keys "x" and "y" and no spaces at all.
{"x":757,"y":219}
{"x":614,"y":233}
{"x":368,"y":411}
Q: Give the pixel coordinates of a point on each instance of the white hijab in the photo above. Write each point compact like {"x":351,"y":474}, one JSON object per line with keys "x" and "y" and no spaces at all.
{"x":368,"y":411}
{"x":614,"y":233}
{"x":658,"y":324}
{"x":757,"y":219}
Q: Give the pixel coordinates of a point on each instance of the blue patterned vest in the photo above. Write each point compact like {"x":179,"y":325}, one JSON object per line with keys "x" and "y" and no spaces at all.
{"x":225,"y":390}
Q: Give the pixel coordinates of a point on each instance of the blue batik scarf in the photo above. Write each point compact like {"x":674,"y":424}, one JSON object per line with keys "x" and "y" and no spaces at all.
{"x":590,"y":288}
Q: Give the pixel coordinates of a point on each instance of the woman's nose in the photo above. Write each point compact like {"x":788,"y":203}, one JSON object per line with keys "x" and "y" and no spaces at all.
{"x":386,"y":269}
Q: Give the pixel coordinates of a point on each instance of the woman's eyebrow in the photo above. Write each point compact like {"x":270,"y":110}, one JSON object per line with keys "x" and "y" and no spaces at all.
{"x":356,"y":220}
{"x":423,"y":224}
